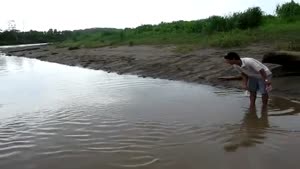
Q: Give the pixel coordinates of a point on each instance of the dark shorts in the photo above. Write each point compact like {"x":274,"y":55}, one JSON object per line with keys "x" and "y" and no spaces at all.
{"x":255,"y":84}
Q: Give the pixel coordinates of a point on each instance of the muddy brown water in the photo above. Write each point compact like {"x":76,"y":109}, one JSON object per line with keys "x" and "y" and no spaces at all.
{"x":62,"y":117}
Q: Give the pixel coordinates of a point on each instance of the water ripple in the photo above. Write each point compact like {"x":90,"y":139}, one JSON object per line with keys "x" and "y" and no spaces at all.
{"x":101,"y":121}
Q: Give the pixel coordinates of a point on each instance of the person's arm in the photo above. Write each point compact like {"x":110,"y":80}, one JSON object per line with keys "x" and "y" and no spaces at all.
{"x":264,"y":76}
{"x":244,"y":81}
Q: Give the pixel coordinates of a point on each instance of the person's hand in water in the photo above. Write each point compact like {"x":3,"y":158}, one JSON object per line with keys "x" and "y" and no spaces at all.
{"x":267,"y":82}
{"x":268,"y":85}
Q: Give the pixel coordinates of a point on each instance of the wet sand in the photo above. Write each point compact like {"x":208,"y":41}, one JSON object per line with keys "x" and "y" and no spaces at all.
{"x":203,"y":66}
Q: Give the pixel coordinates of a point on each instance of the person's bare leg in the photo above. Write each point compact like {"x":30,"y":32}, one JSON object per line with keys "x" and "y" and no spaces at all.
{"x":252,"y":99}
{"x":265,"y":98}
{"x":252,"y":109}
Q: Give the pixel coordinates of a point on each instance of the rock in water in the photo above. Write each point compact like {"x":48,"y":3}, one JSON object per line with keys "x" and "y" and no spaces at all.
{"x":289,"y":60}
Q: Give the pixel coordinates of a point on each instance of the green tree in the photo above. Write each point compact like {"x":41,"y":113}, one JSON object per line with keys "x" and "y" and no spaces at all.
{"x":288,"y":10}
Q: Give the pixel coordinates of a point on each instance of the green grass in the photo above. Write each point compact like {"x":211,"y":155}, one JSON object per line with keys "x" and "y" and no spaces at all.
{"x":285,"y":35}
{"x":238,"y":29}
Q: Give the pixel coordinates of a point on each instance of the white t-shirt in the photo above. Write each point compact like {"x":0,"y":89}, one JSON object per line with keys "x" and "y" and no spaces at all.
{"x":251,"y":68}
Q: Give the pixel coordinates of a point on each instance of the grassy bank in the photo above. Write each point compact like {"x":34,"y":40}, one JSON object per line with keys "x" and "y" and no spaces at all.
{"x":285,"y":35}
{"x":238,"y":29}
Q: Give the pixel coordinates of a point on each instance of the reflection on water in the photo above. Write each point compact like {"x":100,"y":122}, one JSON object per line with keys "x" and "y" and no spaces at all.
{"x":283,"y":107}
{"x":55,"y":116}
{"x":252,"y":130}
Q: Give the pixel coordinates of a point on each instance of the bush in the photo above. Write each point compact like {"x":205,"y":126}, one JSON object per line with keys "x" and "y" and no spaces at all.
{"x":288,"y":10}
{"x":215,"y":23}
{"x":251,"y":18}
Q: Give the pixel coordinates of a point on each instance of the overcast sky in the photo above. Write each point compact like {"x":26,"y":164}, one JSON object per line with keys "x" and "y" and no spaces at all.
{"x":79,"y":14}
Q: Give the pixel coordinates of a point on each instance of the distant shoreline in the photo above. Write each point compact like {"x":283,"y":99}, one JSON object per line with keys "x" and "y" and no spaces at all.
{"x":202,"y":66}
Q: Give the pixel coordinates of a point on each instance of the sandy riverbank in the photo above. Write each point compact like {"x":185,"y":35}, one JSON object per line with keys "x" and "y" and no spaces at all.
{"x":200,"y":66}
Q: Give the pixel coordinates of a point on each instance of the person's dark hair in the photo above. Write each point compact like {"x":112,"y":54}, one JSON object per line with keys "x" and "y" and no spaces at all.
{"x":232,"y":56}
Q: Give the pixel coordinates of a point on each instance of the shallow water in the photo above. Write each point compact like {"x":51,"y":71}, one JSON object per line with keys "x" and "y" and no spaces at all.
{"x":56,"y":116}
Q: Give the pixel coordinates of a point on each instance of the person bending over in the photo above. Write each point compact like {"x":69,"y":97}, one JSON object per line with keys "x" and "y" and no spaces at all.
{"x":256,"y":76}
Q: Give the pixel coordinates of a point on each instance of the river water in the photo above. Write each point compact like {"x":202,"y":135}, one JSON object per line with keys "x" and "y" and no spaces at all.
{"x":60,"y":117}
